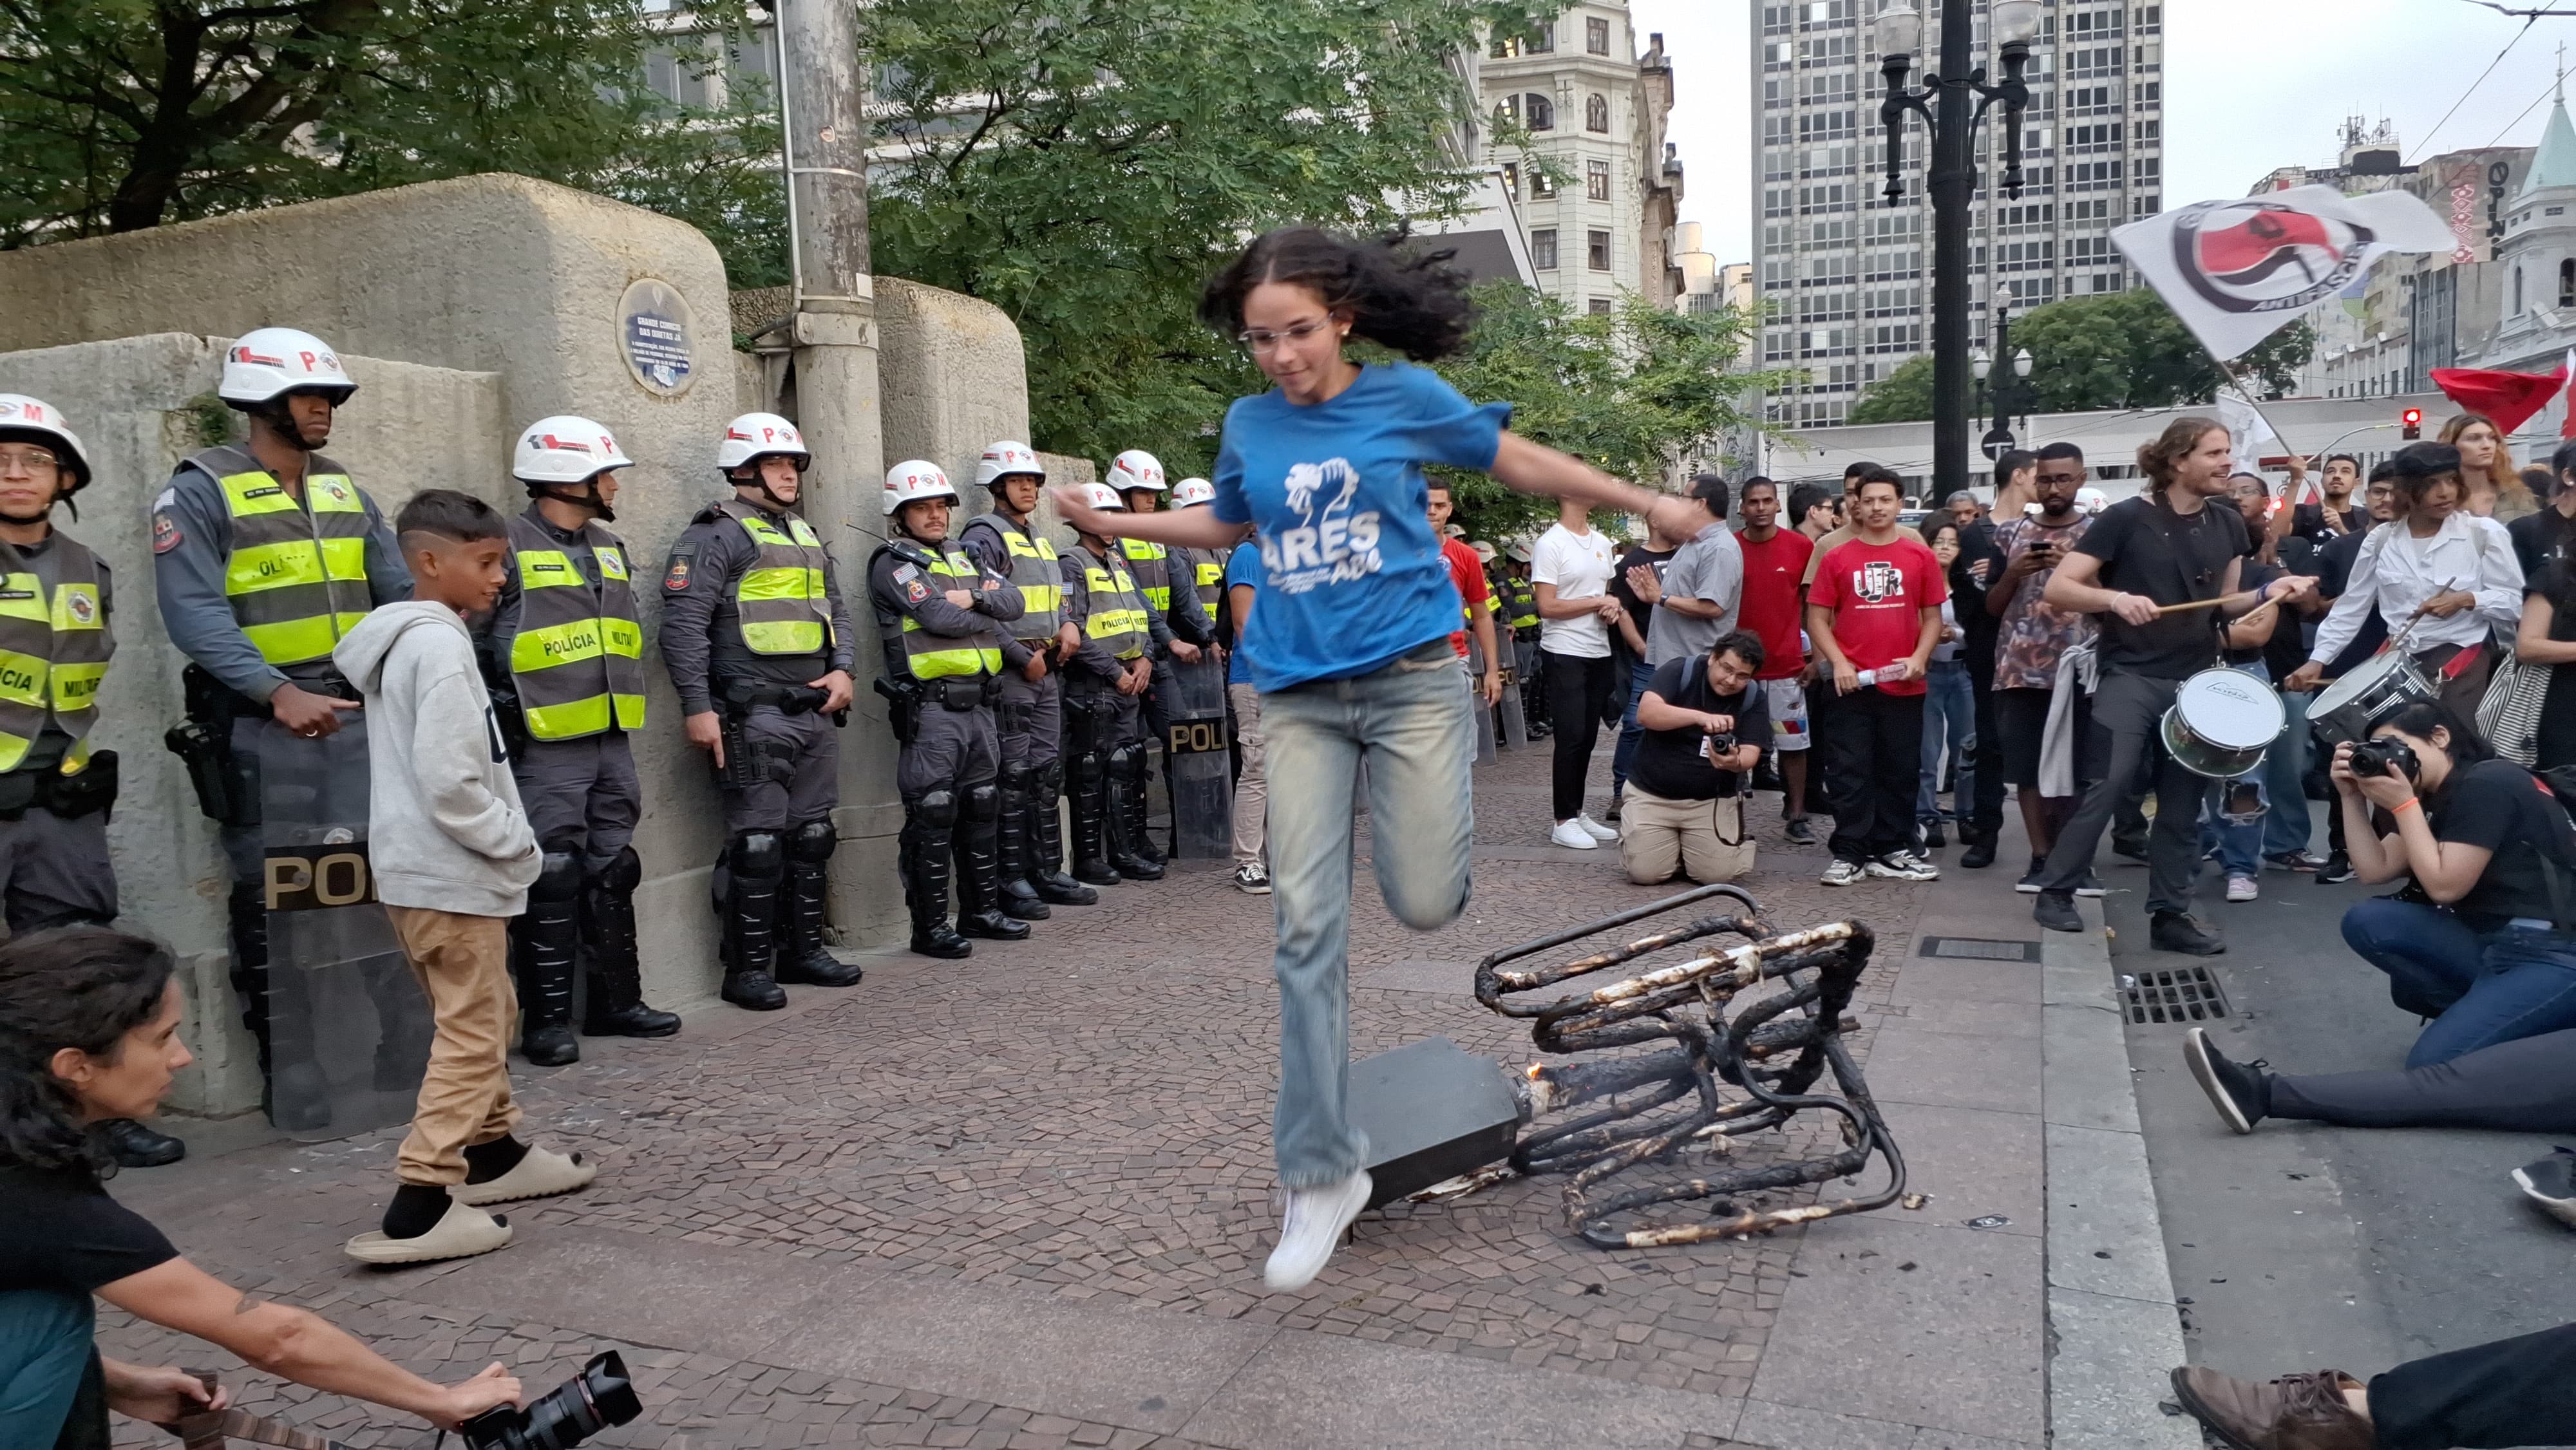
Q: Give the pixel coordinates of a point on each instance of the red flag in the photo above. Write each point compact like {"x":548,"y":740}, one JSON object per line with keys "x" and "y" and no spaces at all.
{"x":2509,"y":398}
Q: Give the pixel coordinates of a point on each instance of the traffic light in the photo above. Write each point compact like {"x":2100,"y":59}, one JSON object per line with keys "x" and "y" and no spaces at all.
{"x":2411,"y":424}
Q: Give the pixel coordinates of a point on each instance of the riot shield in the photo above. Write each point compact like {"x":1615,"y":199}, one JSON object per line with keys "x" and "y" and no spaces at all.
{"x":349,"y":1028}
{"x":1514,"y":724}
{"x":1475,"y":663}
{"x":1198,"y":760}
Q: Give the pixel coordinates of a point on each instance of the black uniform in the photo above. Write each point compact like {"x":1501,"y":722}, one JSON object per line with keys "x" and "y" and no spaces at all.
{"x":944,"y":661}
{"x":1104,"y":730}
{"x":750,"y":612}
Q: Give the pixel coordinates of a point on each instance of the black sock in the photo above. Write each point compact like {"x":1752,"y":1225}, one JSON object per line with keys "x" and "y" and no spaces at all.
{"x":416,"y":1209}
{"x":487,"y":1161}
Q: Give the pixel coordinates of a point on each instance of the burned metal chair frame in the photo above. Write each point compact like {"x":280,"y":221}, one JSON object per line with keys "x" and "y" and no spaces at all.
{"x":1720,"y":1064}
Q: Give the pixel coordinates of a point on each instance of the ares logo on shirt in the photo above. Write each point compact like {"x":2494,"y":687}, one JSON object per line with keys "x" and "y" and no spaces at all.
{"x":1332,"y":545}
{"x":1878,"y":581}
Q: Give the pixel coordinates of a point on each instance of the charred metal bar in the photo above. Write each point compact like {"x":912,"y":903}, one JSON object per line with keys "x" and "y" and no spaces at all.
{"x":1713,"y":1080}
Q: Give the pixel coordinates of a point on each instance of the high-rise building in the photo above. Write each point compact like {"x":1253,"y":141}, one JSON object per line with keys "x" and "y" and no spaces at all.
{"x":1846,"y":278}
{"x":1595,"y":183}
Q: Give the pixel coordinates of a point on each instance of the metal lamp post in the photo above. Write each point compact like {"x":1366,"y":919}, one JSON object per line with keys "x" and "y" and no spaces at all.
{"x":1952,"y":102}
{"x":2009,"y":395}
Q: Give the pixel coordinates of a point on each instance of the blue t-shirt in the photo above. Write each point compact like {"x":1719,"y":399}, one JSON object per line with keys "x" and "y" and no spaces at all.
{"x":1353,"y":577}
{"x":1243,"y":566}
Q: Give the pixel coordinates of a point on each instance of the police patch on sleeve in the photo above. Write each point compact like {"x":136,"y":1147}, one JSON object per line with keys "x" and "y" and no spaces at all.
{"x":676,"y":577}
{"x":915,"y":589}
{"x":165,"y":533}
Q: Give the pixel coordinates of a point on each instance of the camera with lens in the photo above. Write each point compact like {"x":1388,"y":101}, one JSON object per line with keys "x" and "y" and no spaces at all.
{"x":2371,"y":758}
{"x":571,"y":1412}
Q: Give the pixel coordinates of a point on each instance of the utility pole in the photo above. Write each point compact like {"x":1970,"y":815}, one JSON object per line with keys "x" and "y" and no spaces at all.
{"x":834,"y":399}
{"x":1952,"y":184}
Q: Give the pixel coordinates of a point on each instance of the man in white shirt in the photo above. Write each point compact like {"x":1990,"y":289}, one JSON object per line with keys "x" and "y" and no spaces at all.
{"x":1570,"y":568}
{"x":2457,"y":569}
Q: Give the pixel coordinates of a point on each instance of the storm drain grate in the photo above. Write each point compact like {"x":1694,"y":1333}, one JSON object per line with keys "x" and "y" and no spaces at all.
{"x":1983,"y":949}
{"x":2189,"y":994}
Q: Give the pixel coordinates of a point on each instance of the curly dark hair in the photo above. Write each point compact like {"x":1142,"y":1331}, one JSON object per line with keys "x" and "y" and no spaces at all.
{"x":1407,"y":299}
{"x":2158,"y":455}
{"x":79,"y":986}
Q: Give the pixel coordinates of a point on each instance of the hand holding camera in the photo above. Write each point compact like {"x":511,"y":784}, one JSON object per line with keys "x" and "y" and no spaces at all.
{"x":2381,"y":771}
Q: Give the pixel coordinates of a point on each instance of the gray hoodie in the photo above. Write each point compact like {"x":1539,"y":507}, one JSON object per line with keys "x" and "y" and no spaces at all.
{"x":444,"y":827}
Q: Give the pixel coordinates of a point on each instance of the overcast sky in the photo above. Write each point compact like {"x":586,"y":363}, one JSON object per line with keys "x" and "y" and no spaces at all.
{"x":2249,"y":85}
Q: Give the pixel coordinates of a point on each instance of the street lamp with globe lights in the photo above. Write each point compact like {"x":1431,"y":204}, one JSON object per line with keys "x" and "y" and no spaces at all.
{"x":2010,"y":393}
{"x":1952,"y":101}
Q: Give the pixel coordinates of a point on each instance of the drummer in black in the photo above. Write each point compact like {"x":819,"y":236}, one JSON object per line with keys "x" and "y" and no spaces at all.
{"x":2164,"y":547}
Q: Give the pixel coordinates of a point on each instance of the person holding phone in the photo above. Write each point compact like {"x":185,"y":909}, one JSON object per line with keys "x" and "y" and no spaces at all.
{"x":2031,"y":636}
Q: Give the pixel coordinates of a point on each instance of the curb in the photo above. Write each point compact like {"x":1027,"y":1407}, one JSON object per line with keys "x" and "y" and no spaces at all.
{"x":2113,"y":1327}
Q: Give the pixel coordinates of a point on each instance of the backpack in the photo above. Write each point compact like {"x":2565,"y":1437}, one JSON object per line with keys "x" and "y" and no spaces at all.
{"x":2560,"y":782}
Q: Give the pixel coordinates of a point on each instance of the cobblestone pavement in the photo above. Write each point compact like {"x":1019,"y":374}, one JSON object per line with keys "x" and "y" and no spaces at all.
{"x":1080,"y":1120}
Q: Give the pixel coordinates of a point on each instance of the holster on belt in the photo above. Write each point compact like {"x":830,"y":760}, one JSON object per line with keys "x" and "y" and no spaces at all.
{"x":226,"y":792}
{"x":903,"y":706}
{"x":91,"y":790}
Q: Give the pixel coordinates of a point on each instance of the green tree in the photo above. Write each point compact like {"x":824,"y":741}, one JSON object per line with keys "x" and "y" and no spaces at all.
{"x":1903,"y":396}
{"x":1628,"y":390}
{"x":1112,"y":154}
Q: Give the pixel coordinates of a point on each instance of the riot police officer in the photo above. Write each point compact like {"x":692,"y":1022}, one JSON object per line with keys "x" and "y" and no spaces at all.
{"x":564,"y":657}
{"x":54,"y":791}
{"x":264,"y":554}
{"x":1520,"y":612}
{"x":1105,"y":682}
{"x":1171,"y":619}
{"x":940,"y":613}
{"x":1029,"y":716}
{"x":757,"y":640}
{"x":1199,"y":574}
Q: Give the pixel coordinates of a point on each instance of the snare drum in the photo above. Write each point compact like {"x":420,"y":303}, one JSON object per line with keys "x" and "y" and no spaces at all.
{"x":2221,"y":722}
{"x":2373,"y":690}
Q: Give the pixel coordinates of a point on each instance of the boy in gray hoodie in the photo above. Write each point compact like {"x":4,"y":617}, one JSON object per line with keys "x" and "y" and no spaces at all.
{"x":453,"y":858}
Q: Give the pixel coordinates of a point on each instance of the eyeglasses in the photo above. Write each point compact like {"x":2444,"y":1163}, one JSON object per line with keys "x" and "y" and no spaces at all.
{"x":27,"y":459}
{"x":1261,"y":340}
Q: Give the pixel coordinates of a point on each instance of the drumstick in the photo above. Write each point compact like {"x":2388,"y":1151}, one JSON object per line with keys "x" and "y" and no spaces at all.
{"x":2164,"y":610}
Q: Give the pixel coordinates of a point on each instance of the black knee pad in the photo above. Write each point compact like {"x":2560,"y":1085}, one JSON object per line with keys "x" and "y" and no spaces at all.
{"x":983,"y":802}
{"x":937,"y":808}
{"x":1017,"y":779}
{"x":756,"y":853}
{"x":813,"y":841}
{"x":622,"y":874}
{"x":559,"y":879}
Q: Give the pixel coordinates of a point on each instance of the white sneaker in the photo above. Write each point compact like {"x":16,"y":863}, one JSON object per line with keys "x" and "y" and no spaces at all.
{"x":1599,"y":831}
{"x":2241,"y":888}
{"x":1903,"y":866}
{"x":1251,"y":879}
{"x":1312,"y":1229}
{"x":1572,"y":836}
{"x":1841,"y":873}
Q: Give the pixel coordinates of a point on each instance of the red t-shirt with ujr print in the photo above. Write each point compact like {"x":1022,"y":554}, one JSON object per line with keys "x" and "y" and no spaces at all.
{"x":1877,"y":593}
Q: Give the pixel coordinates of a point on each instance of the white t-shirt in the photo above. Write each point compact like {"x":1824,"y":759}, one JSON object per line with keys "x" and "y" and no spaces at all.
{"x":1579,"y":566}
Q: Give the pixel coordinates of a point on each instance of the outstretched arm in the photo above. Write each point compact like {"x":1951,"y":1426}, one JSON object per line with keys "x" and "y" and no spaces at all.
{"x":1190,"y":528}
{"x":1526,"y":467}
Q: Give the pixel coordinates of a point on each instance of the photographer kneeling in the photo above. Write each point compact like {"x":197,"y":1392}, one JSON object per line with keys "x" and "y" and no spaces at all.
{"x":1705,"y":725}
{"x":89,"y":1022}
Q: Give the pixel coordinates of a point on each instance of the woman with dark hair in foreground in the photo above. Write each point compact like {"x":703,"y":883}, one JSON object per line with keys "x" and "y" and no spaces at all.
{"x":89,"y":1022}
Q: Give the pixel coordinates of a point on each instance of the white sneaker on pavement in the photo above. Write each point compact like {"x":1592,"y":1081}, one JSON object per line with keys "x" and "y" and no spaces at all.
{"x":1841,"y":873}
{"x":1572,"y":836}
{"x":1599,"y":831}
{"x":2242,"y":888}
{"x":1903,"y":866}
{"x":1312,"y":1229}
{"x":1251,"y":879}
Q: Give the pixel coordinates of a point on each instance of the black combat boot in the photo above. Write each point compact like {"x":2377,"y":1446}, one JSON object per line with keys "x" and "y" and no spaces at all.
{"x":755,"y":868}
{"x":929,"y":832}
{"x":979,"y":905}
{"x":1046,"y":842}
{"x":615,"y":1007}
{"x":1126,"y":815}
{"x":544,"y":951}
{"x":805,"y":913}
{"x":1020,"y":899}
{"x":1090,"y":799}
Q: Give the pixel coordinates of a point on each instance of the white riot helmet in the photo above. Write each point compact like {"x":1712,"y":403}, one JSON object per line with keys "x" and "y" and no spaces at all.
{"x":1191,"y":491}
{"x":1004,"y":459}
{"x":2091,"y":500}
{"x":271,"y":362}
{"x":1518,"y":551}
{"x":38,"y":421}
{"x":1102,"y":496}
{"x":1484,"y":550}
{"x":755,"y":436}
{"x":1136,"y":468}
{"x":566,"y":448}
{"x":914,"y":481}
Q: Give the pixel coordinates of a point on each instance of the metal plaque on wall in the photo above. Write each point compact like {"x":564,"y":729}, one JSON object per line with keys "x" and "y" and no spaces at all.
{"x":653,"y":328}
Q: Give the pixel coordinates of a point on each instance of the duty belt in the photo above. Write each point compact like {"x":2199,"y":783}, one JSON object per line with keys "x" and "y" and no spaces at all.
{"x":786,"y":699}
{"x":963,"y":694}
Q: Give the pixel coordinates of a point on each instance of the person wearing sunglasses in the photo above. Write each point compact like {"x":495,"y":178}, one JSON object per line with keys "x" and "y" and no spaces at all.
{"x":1349,"y":649}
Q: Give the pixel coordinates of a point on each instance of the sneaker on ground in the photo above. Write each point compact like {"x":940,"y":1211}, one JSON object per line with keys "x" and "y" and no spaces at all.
{"x":2236,"y":1089}
{"x":2242,"y":888}
{"x":2056,"y":911}
{"x":2336,"y":871}
{"x":1312,"y":1229}
{"x":1251,"y":879}
{"x":462,"y":1232}
{"x":1841,"y":873}
{"x":2551,"y":1183}
{"x":2175,"y":931}
{"x":1799,"y":832}
{"x":2133,"y":848}
{"x":2091,"y":886}
{"x":1599,"y":831}
{"x":2299,"y":860}
{"x":1573,"y":837}
{"x":1903,"y":866}
{"x":1612,"y":814}
{"x":2028,"y":885}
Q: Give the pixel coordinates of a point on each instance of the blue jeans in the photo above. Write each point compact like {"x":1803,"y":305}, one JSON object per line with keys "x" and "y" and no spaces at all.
{"x":2289,"y":824}
{"x":1949,"y":718}
{"x":2240,"y":847}
{"x":45,"y":1341}
{"x":2479,"y":989}
{"x":1640,"y":675}
{"x":1410,"y":722}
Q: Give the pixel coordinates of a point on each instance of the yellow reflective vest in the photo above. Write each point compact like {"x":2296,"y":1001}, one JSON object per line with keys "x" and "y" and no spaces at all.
{"x":297,"y":574}
{"x":53,"y":652}
{"x":578,"y":658}
{"x":781,"y":601}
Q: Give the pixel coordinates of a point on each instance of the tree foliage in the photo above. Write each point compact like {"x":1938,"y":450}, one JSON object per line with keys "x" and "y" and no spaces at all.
{"x":1629,"y":391}
{"x":2107,"y":350}
{"x":1085,"y":165}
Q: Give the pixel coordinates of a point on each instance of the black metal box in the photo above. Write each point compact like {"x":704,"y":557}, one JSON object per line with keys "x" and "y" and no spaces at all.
{"x":1431,"y":1111}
